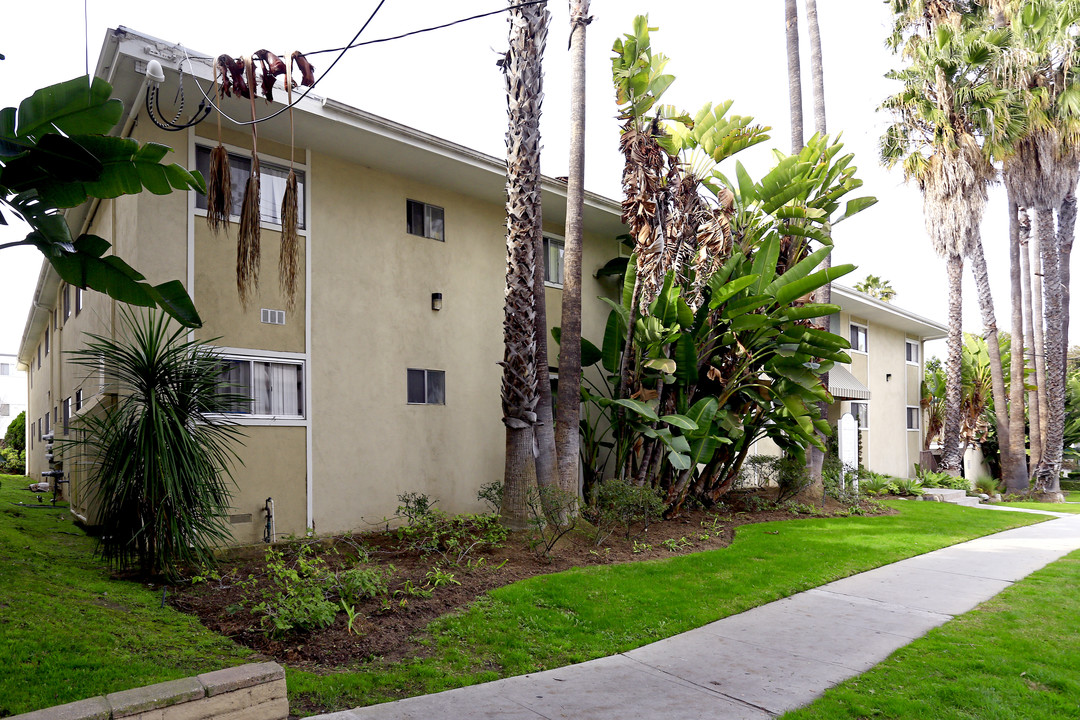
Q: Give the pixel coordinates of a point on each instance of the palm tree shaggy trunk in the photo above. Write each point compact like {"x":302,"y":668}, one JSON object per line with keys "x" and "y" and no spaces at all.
{"x":1034,"y":432}
{"x":569,"y":405}
{"x":1038,"y":328}
{"x":1066,"y":230}
{"x":522,"y":74}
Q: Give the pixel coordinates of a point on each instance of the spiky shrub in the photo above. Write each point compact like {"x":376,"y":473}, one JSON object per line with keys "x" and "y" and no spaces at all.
{"x":160,"y":455}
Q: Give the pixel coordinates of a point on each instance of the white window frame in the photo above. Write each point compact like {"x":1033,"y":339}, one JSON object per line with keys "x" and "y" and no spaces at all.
{"x":908,"y":343}
{"x":5,"y":369}
{"x":865,"y":416}
{"x":918,"y":418}
{"x":426,"y":232}
{"x":248,"y":418}
{"x":427,"y":372}
{"x":866,"y":337}
{"x":271,"y":161}
{"x":558,"y":282}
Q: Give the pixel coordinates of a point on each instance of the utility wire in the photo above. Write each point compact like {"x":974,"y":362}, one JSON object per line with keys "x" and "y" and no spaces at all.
{"x":341,"y":53}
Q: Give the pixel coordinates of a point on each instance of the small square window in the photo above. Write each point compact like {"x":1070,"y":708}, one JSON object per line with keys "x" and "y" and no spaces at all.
{"x":272,"y":182}
{"x":553,"y":261}
{"x":5,"y":409}
{"x":858,"y":337}
{"x":913,"y":418}
{"x":5,"y":368}
{"x":862,"y":415}
{"x":912,"y":351}
{"x":426,"y":387}
{"x":424,"y":220}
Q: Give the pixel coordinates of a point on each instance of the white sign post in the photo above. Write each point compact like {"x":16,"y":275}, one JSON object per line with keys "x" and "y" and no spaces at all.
{"x":848,"y":440}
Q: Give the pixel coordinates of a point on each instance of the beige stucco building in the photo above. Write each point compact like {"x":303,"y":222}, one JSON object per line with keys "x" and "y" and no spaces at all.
{"x":364,"y":390}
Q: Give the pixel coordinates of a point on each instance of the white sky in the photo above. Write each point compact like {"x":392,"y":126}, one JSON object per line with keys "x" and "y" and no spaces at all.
{"x":446,"y":83}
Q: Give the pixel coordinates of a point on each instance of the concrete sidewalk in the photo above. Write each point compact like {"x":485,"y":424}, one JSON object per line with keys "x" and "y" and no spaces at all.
{"x":768,"y":660}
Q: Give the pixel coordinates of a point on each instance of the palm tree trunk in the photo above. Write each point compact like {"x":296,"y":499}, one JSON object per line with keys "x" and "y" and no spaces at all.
{"x":791,"y":24}
{"x":1038,"y":327}
{"x":817,"y":76}
{"x":1017,"y":479}
{"x":950,"y":433}
{"x":569,"y":405}
{"x":1066,"y":233}
{"x":997,"y":378}
{"x":1049,"y":470}
{"x":522,"y":75}
{"x":1035,"y":442}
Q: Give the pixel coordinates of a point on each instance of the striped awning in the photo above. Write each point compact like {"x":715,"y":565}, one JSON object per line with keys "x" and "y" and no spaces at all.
{"x":844,"y":386}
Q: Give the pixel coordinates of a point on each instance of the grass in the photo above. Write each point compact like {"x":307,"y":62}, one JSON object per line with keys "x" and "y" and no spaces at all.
{"x":70,"y":631}
{"x":1070,"y":497}
{"x":1012,"y":658}
{"x":585,"y":613}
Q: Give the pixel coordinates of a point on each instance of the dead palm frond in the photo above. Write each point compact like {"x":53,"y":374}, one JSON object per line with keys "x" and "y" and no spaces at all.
{"x":219,"y":180}
{"x":248,"y":237}
{"x":289,"y":254}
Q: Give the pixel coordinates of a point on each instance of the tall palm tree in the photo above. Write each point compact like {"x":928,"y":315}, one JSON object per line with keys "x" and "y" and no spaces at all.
{"x":817,"y":76}
{"x":522,"y":74}
{"x":877,"y":288}
{"x":569,"y":405}
{"x":1041,"y":173}
{"x":940,"y":112}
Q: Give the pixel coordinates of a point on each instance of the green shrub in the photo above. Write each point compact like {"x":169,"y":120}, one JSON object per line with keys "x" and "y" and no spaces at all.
{"x":621,"y":503}
{"x":877,"y":484}
{"x":944,"y":480}
{"x":454,"y":537}
{"x":1070,"y":485}
{"x":987,"y":485}
{"x":909,"y":486}
{"x":295,"y":597}
{"x":357,"y":584}
{"x":492,"y":494}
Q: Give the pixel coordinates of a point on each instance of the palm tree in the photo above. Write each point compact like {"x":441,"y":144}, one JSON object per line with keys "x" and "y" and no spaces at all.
{"x":569,"y":405}
{"x":875,"y":287}
{"x":1041,"y":173}
{"x":522,"y":74}
{"x":817,"y":77}
{"x":939,"y":112}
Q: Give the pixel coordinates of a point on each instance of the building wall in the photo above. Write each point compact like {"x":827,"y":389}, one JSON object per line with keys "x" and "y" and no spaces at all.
{"x":13,"y":389}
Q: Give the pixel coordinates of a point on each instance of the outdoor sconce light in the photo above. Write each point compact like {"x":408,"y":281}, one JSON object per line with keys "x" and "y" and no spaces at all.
{"x":436,"y":301}
{"x":888,"y":377}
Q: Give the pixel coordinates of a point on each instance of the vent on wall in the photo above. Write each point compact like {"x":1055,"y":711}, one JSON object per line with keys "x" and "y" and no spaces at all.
{"x":273,"y":317}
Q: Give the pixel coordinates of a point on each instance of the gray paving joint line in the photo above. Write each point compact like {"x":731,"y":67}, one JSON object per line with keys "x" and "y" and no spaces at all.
{"x":699,"y":686}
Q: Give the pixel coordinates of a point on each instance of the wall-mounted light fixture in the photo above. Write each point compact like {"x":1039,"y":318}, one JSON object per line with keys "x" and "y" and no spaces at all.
{"x":436,"y":301}
{"x":888,"y":377}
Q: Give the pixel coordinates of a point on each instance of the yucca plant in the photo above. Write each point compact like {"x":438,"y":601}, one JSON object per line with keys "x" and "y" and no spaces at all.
{"x":159,"y":456}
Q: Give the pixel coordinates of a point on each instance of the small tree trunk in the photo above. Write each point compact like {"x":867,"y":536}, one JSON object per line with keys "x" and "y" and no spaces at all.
{"x":1049,"y":470}
{"x":1017,"y":479}
{"x":1035,"y":435}
{"x":997,"y":378}
{"x":519,"y":477}
{"x":1066,"y":232}
{"x":569,"y":406}
{"x":950,"y":433}
{"x":791,"y":24}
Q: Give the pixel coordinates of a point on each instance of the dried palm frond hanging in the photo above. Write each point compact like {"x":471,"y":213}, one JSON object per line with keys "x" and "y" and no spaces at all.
{"x":247,"y":240}
{"x":289,"y":256}
{"x":219,"y":179}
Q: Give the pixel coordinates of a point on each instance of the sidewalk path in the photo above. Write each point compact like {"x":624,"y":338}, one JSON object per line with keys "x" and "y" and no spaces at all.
{"x":770,"y":659}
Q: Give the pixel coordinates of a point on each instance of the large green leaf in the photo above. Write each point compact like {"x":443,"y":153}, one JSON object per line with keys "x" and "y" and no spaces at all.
{"x":680,"y":421}
{"x":811,"y":282}
{"x":614,"y":339}
{"x":76,"y":107}
{"x":590,"y":354}
{"x":642,"y":409}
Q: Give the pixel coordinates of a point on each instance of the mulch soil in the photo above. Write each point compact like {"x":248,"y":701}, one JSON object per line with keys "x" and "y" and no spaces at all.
{"x":386,"y":629}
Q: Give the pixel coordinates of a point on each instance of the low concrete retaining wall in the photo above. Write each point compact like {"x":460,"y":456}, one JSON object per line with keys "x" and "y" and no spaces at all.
{"x":246,"y":692}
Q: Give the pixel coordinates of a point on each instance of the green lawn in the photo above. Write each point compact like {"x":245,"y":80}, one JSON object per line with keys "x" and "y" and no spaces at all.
{"x":555,"y":620}
{"x":70,"y":632}
{"x":1048,"y":507}
{"x":1014,"y":657}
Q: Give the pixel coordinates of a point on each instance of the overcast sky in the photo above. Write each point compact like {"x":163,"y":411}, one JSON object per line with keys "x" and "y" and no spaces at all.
{"x":446,"y":83}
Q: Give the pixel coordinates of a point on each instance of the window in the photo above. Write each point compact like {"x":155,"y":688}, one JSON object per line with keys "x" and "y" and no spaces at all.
{"x":5,"y":368}
{"x":55,"y":414}
{"x":426,"y":387}
{"x":48,"y":335}
{"x":78,"y":399}
{"x":78,"y":300}
{"x":39,"y":433}
{"x":55,"y":325}
{"x":67,"y":415}
{"x":862,"y":415}
{"x":913,"y":417}
{"x":67,"y":301}
{"x":272,"y":179}
{"x":5,"y":409}
{"x":48,"y":428}
{"x":858,"y":337}
{"x":553,"y":261}
{"x":275,"y":389}
{"x":38,"y":357}
{"x":424,"y":220}
{"x":912,"y":349}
